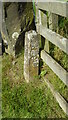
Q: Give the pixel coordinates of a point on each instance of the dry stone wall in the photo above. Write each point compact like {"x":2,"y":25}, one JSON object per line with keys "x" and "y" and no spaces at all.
{"x":17,"y":19}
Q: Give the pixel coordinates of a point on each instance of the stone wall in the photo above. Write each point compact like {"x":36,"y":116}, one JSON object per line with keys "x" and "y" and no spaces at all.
{"x":17,"y":19}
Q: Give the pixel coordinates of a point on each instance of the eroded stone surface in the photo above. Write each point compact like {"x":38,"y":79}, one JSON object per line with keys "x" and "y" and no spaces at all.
{"x":17,"y":19}
{"x":31,"y":55}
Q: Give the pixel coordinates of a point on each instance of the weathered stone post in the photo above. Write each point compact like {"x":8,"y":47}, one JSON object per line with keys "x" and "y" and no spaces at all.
{"x":31,"y":55}
{"x":0,"y":45}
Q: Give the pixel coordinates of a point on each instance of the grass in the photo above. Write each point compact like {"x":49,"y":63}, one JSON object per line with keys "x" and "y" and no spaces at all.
{"x":61,"y":58}
{"x":22,"y":100}
{"x":56,"y":82}
{"x":32,"y":100}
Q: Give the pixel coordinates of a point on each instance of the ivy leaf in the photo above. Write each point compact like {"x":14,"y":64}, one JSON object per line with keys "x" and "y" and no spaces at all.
{"x":44,"y":72}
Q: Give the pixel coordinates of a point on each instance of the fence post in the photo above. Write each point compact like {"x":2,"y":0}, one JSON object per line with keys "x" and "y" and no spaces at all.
{"x":42,"y":40}
{"x":37,"y":19}
{"x":31,"y":55}
{"x":44,"y":23}
{"x":1,"y":5}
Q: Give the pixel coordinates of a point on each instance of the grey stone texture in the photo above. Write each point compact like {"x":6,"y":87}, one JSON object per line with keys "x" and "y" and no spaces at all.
{"x":17,"y":19}
{"x":31,"y":55}
{"x":0,"y":44}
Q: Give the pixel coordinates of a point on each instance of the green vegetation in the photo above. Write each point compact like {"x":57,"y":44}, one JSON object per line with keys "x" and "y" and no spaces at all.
{"x":55,"y":52}
{"x":22,"y":100}
{"x":63,"y":26}
{"x":33,"y":100}
{"x":56,"y":82}
{"x":61,"y":58}
{"x":44,"y":72}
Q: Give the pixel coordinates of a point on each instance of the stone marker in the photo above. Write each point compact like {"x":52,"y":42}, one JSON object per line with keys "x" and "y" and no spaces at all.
{"x":31,"y":55}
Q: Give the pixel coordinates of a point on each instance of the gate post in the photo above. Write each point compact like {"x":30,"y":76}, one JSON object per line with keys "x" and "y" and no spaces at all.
{"x":31,"y":55}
